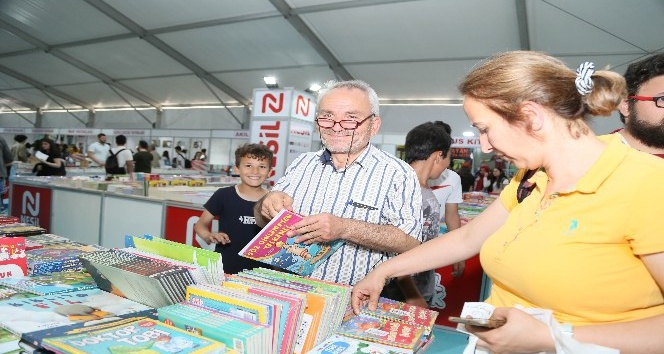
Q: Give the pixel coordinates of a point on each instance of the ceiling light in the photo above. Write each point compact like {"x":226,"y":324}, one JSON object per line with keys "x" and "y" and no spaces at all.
{"x":468,"y":133}
{"x":270,"y":81}
{"x":314,"y":88}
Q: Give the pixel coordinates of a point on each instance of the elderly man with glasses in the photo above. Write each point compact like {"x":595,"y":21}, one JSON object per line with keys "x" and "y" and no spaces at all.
{"x":643,"y":110}
{"x":350,"y":190}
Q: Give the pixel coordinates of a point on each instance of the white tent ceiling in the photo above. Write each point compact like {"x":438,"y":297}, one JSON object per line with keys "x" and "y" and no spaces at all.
{"x":140,"y":53}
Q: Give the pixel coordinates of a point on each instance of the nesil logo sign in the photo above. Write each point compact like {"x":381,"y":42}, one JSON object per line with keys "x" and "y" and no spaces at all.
{"x":271,"y":102}
{"x":30,"y":208}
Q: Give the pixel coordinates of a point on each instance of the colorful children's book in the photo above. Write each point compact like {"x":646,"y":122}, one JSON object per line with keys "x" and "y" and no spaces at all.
{"x":382,"y":331}
{"x":13,"y":262}
{"x":338,"y":344}
{"x":35,"y":338}
{"x":271,"y":246}
{"x":145,"y":336}
{"x":60,"y":282}
{"x":47,"y":260}
{"x":41,"y":312}
{"x":403,"y":312}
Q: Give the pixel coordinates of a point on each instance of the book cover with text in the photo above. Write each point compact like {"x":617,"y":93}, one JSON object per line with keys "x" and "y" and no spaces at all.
{"x":13,"y":262}
{"x":271,"y":246}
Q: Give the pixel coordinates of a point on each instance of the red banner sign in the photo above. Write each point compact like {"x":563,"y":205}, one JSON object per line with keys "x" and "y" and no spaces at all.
{"x":32,"y":205}
{"x":179,"y":226}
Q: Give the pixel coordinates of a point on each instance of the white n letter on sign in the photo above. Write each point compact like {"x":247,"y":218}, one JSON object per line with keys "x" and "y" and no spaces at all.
{"x":30,"y":203}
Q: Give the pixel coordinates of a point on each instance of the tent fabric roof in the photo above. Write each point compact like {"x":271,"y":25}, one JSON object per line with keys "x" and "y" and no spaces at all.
{"x":159,"y":53}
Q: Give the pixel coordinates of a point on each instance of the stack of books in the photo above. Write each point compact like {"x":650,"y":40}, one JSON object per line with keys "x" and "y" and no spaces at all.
{"x":394,"y":327}
{"x":57,"y":257}
{"x":60,"y":282}
{"x":20,"y":229}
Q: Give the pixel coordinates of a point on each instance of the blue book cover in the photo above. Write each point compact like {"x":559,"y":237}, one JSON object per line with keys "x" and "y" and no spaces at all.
{"x":143,"y":335}
{"x":35,"y":338}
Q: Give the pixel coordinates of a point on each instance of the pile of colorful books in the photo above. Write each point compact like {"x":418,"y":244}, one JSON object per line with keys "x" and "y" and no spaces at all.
{"x":264,"y":311}
{"x":394,"y":327}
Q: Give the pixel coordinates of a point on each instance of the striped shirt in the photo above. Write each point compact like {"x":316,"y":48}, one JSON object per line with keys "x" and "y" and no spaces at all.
{"x":377,"y":188}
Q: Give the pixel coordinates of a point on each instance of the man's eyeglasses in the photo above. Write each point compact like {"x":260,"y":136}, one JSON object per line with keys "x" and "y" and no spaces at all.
{"x":659,"y":100}
{"x":347,"y":124}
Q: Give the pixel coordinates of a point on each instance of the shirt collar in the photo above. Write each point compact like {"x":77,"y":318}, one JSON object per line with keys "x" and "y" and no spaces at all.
{"x":608,"y":162}
{"x":325,"y":156}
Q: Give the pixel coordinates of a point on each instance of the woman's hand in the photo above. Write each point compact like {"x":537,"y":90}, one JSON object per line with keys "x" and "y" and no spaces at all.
{"x":521,"y":333}
{"x":367,"y":291}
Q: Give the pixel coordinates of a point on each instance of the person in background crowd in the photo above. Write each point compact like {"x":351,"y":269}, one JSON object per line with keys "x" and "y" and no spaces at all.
{"x":53,"y":164}
{"x":125,"y":157}
{"x":99,"y":151}
{"x":448,"y":190}
{"x":234,"y":207}
{"x":197,"y":156}
{"x":165,"y":159}
{"x":156,"y":158}
{"x":350,"y":190}
{"x":427,"y":151}
{"x":203,"y":156}
{"x":565,"y":238}
{"x":642,"y":111}
{"x":178,"y":159}
{"x":6,"y":160}
{"x":143,"y":158}
{"x":467,"y":178}
{"x":482,"y":179}
{"x":19,"y":149}
{"x":497,"y":181}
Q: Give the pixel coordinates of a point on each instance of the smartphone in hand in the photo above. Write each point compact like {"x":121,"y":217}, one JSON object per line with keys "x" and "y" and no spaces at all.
{"x":481,"y":322}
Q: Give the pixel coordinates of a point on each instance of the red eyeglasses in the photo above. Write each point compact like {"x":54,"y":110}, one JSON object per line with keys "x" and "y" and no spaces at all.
{"x":659,"y":100}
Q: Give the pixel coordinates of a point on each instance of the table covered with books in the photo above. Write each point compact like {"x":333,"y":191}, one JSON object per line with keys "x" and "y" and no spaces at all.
{"x":161,"y":296}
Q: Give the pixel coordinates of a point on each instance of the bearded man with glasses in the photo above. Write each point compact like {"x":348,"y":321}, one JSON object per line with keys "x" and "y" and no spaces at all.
{"x":350,"y":190}
{"x":642,"y":111}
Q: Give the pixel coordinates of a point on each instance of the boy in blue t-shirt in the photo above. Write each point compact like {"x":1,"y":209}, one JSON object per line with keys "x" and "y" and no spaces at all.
{"x":427,"y":151}
{"x":234,"y":207}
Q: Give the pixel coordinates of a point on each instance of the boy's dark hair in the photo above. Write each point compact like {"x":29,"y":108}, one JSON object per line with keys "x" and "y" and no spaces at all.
{"x":143,"y":144}
{"x":426,"y":138}
{"x":447,"y":127}
{"x":20,"y":138}
{"x":120,"y":139}
{"x":257,"y":151}
{"x":641,"y":71}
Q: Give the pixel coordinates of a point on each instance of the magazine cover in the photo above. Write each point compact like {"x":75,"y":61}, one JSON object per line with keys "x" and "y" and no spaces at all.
{"x":144,"y":335}
{"x":13,"y":262}
{"x":41,"y":312}
{"x":271,"y":246}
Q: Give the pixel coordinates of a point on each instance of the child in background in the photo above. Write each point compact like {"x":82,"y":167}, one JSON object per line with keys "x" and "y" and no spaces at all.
{"x":428,"y":153}
{"x":234,"y":207}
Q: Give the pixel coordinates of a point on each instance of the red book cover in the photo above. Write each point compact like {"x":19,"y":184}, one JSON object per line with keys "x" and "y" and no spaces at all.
{"x":12,"y":257}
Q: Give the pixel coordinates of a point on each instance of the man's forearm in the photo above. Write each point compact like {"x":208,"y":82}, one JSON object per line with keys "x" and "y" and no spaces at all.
{"x":387,"y":238}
